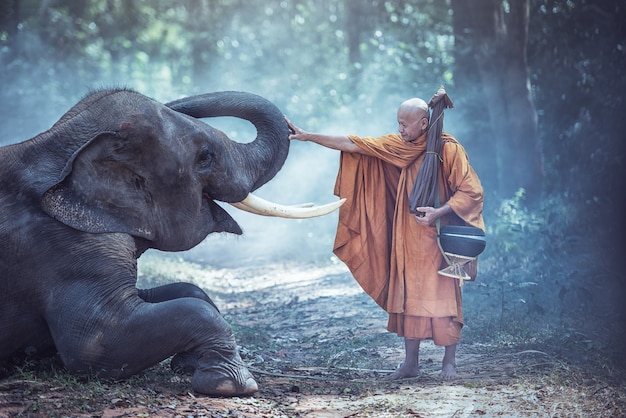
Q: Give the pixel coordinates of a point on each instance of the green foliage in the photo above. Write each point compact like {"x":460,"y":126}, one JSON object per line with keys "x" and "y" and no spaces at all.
{"x":514,"y":220}
{"x":307,"y":56}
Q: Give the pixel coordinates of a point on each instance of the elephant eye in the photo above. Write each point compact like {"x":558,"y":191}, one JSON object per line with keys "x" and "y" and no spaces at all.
{"x":204,"y":159}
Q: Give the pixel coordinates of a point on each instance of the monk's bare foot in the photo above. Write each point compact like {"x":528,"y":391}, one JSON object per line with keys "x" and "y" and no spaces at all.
{"x":404,"y":372}
{"x":448,"y":372}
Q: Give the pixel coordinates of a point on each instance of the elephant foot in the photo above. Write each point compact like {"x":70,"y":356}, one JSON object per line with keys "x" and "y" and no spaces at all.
{"x":216,"y":380}
{"x":224,"y":386}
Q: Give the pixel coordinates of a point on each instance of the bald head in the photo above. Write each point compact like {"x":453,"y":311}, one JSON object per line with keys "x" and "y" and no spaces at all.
{"x":415,"y":107}
{"x":413,"y":118}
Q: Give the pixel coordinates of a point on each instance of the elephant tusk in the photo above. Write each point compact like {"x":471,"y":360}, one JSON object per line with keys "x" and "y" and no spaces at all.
{"x":259,"y":206}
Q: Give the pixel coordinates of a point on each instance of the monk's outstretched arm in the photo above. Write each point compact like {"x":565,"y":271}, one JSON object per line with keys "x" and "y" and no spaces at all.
{"x":338,"y":142}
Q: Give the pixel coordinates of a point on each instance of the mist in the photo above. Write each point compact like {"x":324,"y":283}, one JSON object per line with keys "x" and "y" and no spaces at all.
{"x":543,"y":267}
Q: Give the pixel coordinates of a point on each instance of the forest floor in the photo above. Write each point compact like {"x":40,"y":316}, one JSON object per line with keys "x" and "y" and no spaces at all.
{"x":318,"y":348}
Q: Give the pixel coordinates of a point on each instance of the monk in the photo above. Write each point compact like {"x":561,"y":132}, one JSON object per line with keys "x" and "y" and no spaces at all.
{"x":392,"y":253}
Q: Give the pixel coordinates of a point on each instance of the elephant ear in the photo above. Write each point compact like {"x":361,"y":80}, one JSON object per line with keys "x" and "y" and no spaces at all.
{"x":100,"y":190}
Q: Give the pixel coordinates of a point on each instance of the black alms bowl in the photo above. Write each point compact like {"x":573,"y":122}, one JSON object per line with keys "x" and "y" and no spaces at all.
{"x":462,"y":240}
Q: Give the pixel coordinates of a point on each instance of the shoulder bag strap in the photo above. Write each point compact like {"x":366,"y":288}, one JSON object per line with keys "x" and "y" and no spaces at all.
{"x":438,"y":222}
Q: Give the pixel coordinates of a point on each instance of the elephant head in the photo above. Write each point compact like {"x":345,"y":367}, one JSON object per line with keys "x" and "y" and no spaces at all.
{"x":155,"y":171}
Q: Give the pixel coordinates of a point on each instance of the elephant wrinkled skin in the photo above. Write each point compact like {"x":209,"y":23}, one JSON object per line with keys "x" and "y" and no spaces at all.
{"x":120,"y":173}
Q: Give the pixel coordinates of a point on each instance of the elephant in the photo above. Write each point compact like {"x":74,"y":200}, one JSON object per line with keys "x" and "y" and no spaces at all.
{"x":118,"y":174}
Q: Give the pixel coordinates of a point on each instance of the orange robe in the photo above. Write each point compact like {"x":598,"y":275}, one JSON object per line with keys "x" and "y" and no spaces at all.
{"x":392,"y":257}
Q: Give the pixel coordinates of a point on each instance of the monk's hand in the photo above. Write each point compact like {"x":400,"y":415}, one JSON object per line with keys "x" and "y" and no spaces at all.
{"x":427,"y":215}
{"x":294,"y":131}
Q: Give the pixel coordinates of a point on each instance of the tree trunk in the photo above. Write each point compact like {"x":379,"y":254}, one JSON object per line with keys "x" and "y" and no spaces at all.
{"x":494,"y":42}
{"x":354,"y":28}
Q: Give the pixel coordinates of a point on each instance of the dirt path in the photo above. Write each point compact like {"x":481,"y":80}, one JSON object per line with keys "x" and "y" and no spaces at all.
{"x":318,"y":348}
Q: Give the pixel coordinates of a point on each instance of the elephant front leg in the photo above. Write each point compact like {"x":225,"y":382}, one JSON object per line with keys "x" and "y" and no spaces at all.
{"x":119,"y":341}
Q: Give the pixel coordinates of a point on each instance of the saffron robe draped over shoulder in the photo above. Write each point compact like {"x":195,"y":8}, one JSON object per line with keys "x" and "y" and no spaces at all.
{"x":392,"y":257}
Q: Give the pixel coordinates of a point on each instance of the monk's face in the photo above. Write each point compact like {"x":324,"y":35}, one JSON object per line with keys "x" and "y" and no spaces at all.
{"x":412,"y":123}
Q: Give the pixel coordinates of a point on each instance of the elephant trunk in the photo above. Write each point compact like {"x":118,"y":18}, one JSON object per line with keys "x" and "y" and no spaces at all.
{"x":265,"y":155}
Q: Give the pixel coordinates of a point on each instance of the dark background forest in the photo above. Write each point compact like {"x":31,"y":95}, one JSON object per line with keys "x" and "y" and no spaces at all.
{"x":538,"y":89}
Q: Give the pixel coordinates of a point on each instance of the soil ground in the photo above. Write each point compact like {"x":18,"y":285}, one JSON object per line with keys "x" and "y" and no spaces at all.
{"x":318,"y":347}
